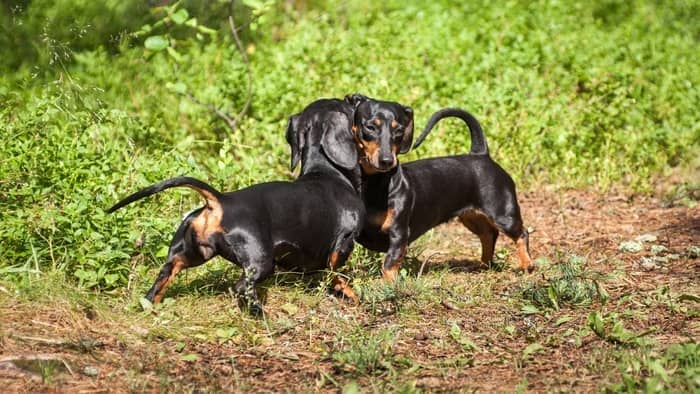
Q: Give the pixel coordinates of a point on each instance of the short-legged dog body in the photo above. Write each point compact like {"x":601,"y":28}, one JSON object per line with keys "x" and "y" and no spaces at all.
{"x":308,"y":224}
{"x":405,"y":202}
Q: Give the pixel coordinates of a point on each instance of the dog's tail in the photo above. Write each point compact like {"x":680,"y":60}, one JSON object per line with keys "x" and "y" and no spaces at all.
{"x":212,"y":195}
{"x":479,"y":146}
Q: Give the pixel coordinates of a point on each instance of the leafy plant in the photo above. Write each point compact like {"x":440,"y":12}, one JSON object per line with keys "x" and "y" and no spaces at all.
{"x":363,"y":352}
{"x":677,"y":369}
{"x":570,"y":285}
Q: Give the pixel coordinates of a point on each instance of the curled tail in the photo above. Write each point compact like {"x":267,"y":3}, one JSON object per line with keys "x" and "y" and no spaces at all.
{"x":212,"y":195}
{"x":479,"y":146}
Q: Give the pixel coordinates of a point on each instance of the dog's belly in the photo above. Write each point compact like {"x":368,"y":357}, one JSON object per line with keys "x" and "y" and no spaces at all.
{"x":291,"y":258}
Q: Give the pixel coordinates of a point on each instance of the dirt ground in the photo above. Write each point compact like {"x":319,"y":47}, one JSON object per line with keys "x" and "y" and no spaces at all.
{"x":88,"y":350}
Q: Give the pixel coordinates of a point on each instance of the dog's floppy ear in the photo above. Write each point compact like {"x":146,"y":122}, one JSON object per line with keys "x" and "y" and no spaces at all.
{"x":356,"y":99}
{"x":338,"y":143}
{"x":407,"y":139}
{"x":296,"y":140}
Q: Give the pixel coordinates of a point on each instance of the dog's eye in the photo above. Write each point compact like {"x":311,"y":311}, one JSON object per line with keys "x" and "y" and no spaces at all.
{"x":367,"y":134}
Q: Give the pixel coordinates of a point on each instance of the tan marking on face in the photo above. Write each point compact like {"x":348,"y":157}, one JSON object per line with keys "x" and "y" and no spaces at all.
{"x":377,"y":122}
{"x":369,"y":156}
{"x":341,"y":285}
{"x":178,"y":265}
{"x":367,"y":169}
{"x":394,"y":124}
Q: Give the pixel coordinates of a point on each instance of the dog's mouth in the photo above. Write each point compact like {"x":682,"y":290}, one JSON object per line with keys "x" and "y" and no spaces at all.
{"x":370,"y":168}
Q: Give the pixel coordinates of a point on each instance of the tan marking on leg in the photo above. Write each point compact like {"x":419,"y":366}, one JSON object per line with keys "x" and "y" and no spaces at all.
{"x":526,"y":263}
{"x":388,"y":219}
{"x":487,"y":248}
{"x":178,"y":265}
{"x":341,"y":285}
{"x":390,"y":274}
{"x":383,"y":220}
{"x":333,"y":260}
{"x":481,"y":225}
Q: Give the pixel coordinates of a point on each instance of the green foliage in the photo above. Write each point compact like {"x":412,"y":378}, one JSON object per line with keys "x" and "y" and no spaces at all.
{"x":677,"y":369}
{"x":612,"y":329}
{"x":95,"y":104}
{"x":364,"y":353}
{"x":569,"y":285}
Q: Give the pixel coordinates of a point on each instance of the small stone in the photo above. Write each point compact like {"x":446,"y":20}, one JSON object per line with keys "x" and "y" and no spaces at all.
{"x":91,"y":371}
{"x":647,"y":264}
{"x":631,"y":246}
{"x":646,"y":238}
{"x":660,"y":259}
{"x":693,"y":251}
{"x":422,"y":336}
{"x":657,"y":249}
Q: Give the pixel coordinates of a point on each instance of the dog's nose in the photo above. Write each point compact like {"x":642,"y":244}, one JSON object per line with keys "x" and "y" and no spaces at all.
{"x":386,"y":161}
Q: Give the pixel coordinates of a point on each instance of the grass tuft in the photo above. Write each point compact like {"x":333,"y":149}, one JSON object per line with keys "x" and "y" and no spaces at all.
{"x":567,"y":283}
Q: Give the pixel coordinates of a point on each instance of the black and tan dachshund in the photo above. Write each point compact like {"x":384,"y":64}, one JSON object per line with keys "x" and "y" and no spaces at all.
{"x":308,"y":224}
{"x":405,"y":201}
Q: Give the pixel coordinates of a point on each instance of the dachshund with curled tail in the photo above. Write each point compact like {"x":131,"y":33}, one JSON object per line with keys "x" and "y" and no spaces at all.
{"x":405,"y":201}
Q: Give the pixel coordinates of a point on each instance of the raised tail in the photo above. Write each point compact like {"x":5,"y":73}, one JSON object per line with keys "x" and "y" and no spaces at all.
{"x":212,"y":195}
{"x":479,"y":146}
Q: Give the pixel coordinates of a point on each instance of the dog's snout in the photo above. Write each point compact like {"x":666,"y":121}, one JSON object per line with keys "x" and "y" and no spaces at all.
{"x":386,"y":161}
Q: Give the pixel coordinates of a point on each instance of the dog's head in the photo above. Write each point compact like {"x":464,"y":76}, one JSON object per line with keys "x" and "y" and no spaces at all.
{"x":324,"y":124}
{"x":382,"y":130}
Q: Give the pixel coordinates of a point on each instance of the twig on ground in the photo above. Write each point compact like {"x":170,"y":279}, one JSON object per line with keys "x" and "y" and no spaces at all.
{"x":422,"y":266}
{"x":47,"y":341}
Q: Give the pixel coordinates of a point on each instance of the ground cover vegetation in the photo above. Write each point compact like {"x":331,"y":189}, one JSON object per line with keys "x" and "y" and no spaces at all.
{"x":591,"y":106}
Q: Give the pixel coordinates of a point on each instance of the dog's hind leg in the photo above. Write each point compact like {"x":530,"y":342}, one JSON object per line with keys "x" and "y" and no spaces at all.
{"x":478,"y":223}
{"x":253,"y":273}
{"x":337,"y":259}
{"x":174,"y":265}
{"x":253,"y":251}
{"x":185,"y":252}
{"x":513,"y":227}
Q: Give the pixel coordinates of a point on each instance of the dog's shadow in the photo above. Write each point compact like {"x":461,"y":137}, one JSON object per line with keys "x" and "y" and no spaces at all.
{"x":221,"y":282}
{"x":420,"y":266}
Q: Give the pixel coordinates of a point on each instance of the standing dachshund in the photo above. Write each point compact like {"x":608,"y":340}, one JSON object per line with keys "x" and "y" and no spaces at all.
{"x":405,"y":201}
{"x":308,"y":224}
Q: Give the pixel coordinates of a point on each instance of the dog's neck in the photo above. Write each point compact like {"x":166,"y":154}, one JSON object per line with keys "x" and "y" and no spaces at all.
{"x":314,"y":162}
